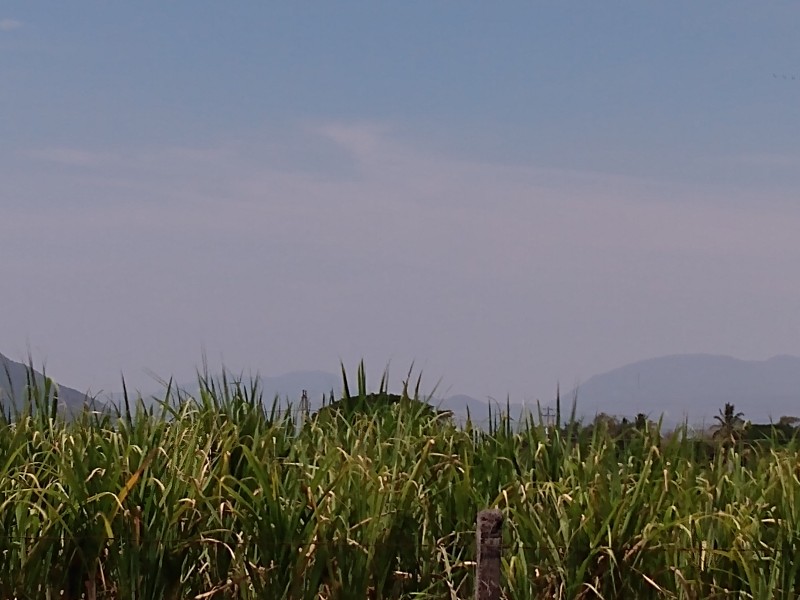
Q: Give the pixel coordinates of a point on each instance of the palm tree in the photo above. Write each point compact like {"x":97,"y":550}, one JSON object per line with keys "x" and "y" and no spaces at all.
{"x":641,"y":422}
{"x":731,"y":424}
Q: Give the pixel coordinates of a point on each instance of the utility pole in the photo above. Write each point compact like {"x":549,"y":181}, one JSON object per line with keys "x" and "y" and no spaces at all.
{"x":549,"y":417}
{"x":304,"y":408}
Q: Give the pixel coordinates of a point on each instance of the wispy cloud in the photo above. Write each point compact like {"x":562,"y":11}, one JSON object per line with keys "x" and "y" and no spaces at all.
{"x":9,"y":24}
{"x":71,"y":157}
{"x":361,"y":139}
{"x":767,"y":160}
{"x":425,"y":196}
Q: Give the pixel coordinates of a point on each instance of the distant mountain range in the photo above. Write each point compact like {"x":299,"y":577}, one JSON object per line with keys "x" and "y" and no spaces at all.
{"x":679,"y":387}
{"x":319,"y":383}
{"x":288,"y":388}
{"x":695,"y":387}
{"x":14,"y":382}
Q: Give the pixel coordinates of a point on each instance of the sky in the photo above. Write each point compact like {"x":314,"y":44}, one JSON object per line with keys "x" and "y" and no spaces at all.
{"x":506,"y":196}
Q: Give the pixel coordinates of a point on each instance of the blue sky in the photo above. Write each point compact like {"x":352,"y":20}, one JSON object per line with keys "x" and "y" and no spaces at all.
{"x":509,"y":196}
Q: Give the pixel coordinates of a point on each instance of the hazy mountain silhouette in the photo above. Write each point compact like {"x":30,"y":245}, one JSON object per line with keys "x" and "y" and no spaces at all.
{"x":291,"y":385}
{"x":288,"y":389}
{"x":479,"y":411}
{"x":14,"y":382}
{"x":695,"y":386}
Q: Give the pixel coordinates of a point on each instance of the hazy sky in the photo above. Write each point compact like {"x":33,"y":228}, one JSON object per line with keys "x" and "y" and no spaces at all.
{"x":509,"y":194}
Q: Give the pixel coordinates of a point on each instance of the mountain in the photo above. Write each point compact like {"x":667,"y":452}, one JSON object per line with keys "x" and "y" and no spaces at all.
{"x":14,"y":381}
{"x":462,"y":405}
{"x":695,"y":386}
{"x":288,"y":388}
{"x":682,"y":386}
{"x":291,"y":386}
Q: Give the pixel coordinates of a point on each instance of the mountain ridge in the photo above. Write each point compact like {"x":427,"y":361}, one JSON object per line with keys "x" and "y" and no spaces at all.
{"x":694,"y":387}
{"x":680,"y":387}
{"x":14,"y":377}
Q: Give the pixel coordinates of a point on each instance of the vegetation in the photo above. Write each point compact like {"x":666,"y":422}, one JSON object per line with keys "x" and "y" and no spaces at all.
{"x":219,"y":497}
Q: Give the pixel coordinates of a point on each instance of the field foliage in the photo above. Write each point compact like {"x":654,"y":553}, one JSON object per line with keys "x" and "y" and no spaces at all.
{"x":220,"y":496}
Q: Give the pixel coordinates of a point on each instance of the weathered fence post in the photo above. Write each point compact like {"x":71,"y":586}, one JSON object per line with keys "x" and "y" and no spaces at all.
{"x":490,"y":546}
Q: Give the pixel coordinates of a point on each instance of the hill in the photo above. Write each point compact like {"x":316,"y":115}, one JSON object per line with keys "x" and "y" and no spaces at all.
{"x":14,"y":381}
{"x":695,"y":386}
{"x":479,"y":411}
{"x":288,"y":388}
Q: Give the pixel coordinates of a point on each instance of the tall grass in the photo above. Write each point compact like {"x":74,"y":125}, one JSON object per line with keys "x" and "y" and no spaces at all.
{"x":220,"y":495}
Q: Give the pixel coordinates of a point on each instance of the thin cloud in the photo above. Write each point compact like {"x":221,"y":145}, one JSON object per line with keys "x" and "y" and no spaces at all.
{"x":517,"y":208}
{"x":361,"y":139}
{"x":71,"y":157}
{"x":767,"y":160}
{"x":9,"y":24}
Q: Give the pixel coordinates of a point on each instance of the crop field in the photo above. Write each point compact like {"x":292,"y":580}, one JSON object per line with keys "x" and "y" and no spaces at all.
{"x":216,"y":496}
